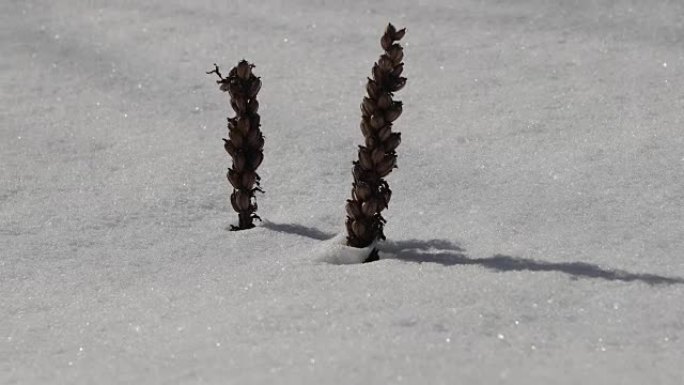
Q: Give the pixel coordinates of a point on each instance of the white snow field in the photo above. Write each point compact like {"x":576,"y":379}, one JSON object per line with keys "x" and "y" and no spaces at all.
{"x":536,"y":232}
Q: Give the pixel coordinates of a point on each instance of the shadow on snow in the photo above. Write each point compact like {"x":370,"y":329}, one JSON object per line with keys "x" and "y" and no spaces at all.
{"x":448,"y":253}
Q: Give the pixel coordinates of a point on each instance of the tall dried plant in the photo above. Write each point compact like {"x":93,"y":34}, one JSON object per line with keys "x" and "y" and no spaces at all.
{"x":245,"y":141}
{"x":370,"y":192}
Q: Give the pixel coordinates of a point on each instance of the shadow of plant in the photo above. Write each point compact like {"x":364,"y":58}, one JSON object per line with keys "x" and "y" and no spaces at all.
{"x":292,"y":228}
{"x":448,"y":253}
{"x":427,"y":251}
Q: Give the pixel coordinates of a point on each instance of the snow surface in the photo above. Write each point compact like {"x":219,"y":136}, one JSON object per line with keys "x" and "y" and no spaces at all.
{"x":336,"y":251}
{"x":535,"y":234}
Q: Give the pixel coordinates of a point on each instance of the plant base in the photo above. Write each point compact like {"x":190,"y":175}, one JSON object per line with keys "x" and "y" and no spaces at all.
{"x":373,"y":256}
{"x":246,"y":222}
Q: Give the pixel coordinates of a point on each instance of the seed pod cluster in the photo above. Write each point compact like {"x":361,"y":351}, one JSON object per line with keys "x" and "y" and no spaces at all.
{"x":376,"y":159}
{"x":245,"y":141}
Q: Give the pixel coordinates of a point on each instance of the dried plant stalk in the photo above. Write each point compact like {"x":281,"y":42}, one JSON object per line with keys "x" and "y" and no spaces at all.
{"x":370,"y":192}
{"x":245,"y":141}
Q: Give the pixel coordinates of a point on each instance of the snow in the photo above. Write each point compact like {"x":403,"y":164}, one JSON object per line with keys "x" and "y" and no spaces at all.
{"x":535,"y":233}
{"x":336,"y":251}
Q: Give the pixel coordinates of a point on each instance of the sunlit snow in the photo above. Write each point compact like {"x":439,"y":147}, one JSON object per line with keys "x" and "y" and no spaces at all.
{"x":535,"y":234}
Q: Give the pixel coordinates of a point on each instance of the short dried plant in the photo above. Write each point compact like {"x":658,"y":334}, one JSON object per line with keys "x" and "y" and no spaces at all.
{"x":245,"y":143}
{"x":370,"y":193}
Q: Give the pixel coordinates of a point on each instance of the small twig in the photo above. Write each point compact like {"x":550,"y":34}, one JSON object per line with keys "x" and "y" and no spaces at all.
{"x":216,"y":71}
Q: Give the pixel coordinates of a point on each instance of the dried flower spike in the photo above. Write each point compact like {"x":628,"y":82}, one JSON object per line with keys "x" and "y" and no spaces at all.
{"x":245,"y":143}
{"x":370,"y":192}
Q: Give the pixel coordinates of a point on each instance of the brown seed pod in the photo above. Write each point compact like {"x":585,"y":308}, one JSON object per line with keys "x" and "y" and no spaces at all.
{"x":253,"y":106}
{"x":363,"y":191}
{"x":243,"y":124}
{"x":254,"y":88}
{"x":366,"y":128}
{"x":386,"y":41}
{"x":233,"y":201}
{"x":378,"y":155}
{"x":386,"y":165}
{"x":229,"y":147}
{"x":244,"y":70}
{"x":233,"y":178}
{"x":384,"y":101}
{"x":360,"y":229}
{"x":242,"y":199}
{"x":384,"y":132}
{"x":232,"y":87}
{"x":398,"y":85}
{"x":251,"y":136}
{"x":239,"y":162}
{"x":373,"y":89}
{"x":396,"y":72}
{"x":239,"y":106}
{"x":352,"y":208}
{"x":256,"y":120}
{"x":369,"y":207}
{"x":236,"y":137}
{"x":357,"y":171}
{"x":248,"y":180}
{"x":393,"y":141}
{"x":377,"y":121}
{"x":365,"y":158}
{"x":398,"y":35}
{"x":378,"y":73}
{"x":257,"y":143}
{"x":385,"y":63}
{"x":256,"y":159}
{"x":394,"y":112}
{"x":367,"y":107}
{"x":386,"y":195}
{"x":350,"y":231}
{"x":396,"y":53}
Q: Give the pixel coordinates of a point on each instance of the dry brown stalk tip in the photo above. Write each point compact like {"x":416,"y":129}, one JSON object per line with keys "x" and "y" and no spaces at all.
{"x":376,"y":159}
{"x":245,"y":141}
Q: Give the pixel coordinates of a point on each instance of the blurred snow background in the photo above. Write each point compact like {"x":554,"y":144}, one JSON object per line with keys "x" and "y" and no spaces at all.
{"x":536,"y":233}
